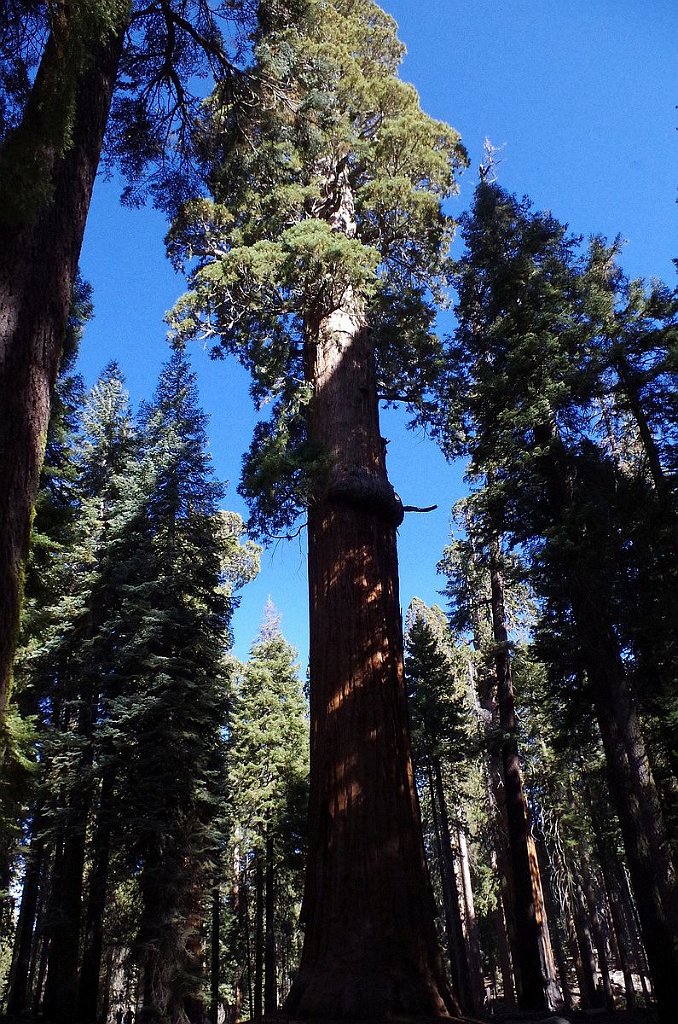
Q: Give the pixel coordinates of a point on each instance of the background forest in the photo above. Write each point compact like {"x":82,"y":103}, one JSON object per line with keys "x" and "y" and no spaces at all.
{"x":156,"y":770}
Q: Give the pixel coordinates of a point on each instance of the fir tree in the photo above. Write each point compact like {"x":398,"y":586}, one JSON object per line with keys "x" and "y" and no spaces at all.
{"x":166,"y":722}
{"x":439,"y":745}
{"x":268,"y":780}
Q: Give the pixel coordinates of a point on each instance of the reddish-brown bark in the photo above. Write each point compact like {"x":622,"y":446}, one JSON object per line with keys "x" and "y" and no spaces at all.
{"x":370,"y":947}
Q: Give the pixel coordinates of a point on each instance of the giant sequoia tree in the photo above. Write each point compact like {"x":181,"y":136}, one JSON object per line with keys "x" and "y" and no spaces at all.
{"x":59,"y":64}
{"x":314,"y":260}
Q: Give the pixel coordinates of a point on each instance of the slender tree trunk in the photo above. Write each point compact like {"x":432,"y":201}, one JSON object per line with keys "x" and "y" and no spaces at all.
{"x":42,"y":952}
{"x":597,"y":930}
{"x":618,"y":947}
{"x":40,"y":941}
{"x":607,"y":859}
{"x":553,"y":917}
{"x":485,"y":699}
{"x":239,"y":905}
{"x":17,"y":999}
{"x":108,"y":977}
{"x":456,"y":950}
{"x":38,"y":264}
{"x":215,"y":955}
{"x":270,"y":960}
{"x":589,"y":988}
{"x":90,"y":970}
{"x":504,"y":954}
{"x":64,"y":949}
{"x":634,"y":928}
{"x":575,"y":952}
{"x":248,"y":947}
{"x":258,"y":938}
{"x":473,"y":939}
{"x":528,"y":964}
{"x":553,"y":994}
{"x":366,"y":953}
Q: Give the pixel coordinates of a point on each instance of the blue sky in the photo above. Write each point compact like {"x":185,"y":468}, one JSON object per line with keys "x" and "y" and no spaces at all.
{"x":581,"y":97}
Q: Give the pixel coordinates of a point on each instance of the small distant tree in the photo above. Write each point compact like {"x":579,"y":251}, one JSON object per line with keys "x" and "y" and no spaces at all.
{"x":268,"y":783}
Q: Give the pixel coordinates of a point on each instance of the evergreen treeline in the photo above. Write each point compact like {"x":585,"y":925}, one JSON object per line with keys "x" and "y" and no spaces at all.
{"x":154,"y":795}
{"x":124,"y":678}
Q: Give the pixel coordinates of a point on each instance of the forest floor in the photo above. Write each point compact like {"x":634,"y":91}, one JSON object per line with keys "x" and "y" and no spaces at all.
{"x":640,"y":1016}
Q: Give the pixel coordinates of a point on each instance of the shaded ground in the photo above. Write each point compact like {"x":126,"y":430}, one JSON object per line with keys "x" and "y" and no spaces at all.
{"x":641,"y":1016}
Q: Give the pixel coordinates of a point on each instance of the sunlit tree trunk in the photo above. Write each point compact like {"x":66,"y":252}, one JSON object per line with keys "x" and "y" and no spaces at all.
{"x":370,"y":947}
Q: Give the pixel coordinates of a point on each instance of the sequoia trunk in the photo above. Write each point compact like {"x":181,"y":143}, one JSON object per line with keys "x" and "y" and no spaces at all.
{"x":370,"y":946}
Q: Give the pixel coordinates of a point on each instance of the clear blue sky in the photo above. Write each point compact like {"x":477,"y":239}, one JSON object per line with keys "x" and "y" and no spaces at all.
{"x":580,"y":95}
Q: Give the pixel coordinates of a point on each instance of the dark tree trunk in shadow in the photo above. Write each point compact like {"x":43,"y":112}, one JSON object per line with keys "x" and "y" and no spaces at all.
{"x":270,"y":959}
{"x":38,"y":265}
{"x":215,"y":955}
{"x":453,"y":927}
{"x":18,"y":982}
{"x":90,"y":970}
{"x":530,"y":980}
{"x":258,"y":937}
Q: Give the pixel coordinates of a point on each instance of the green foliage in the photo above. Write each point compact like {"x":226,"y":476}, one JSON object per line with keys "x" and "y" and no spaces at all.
{"x":126,"y":675}
{"x":560,"y":393}
{"x":268,"y":764}
{"x":269,"y":745}
{"x":46,"y":52}
{"x":44,"y":129}
{"x":332,"y":185}
{"x":436,"y":687}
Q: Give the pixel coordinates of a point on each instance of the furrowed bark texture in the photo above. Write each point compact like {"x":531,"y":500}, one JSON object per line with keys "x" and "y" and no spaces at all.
{"x":38,"y":265}
{"x":370,"y":947}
